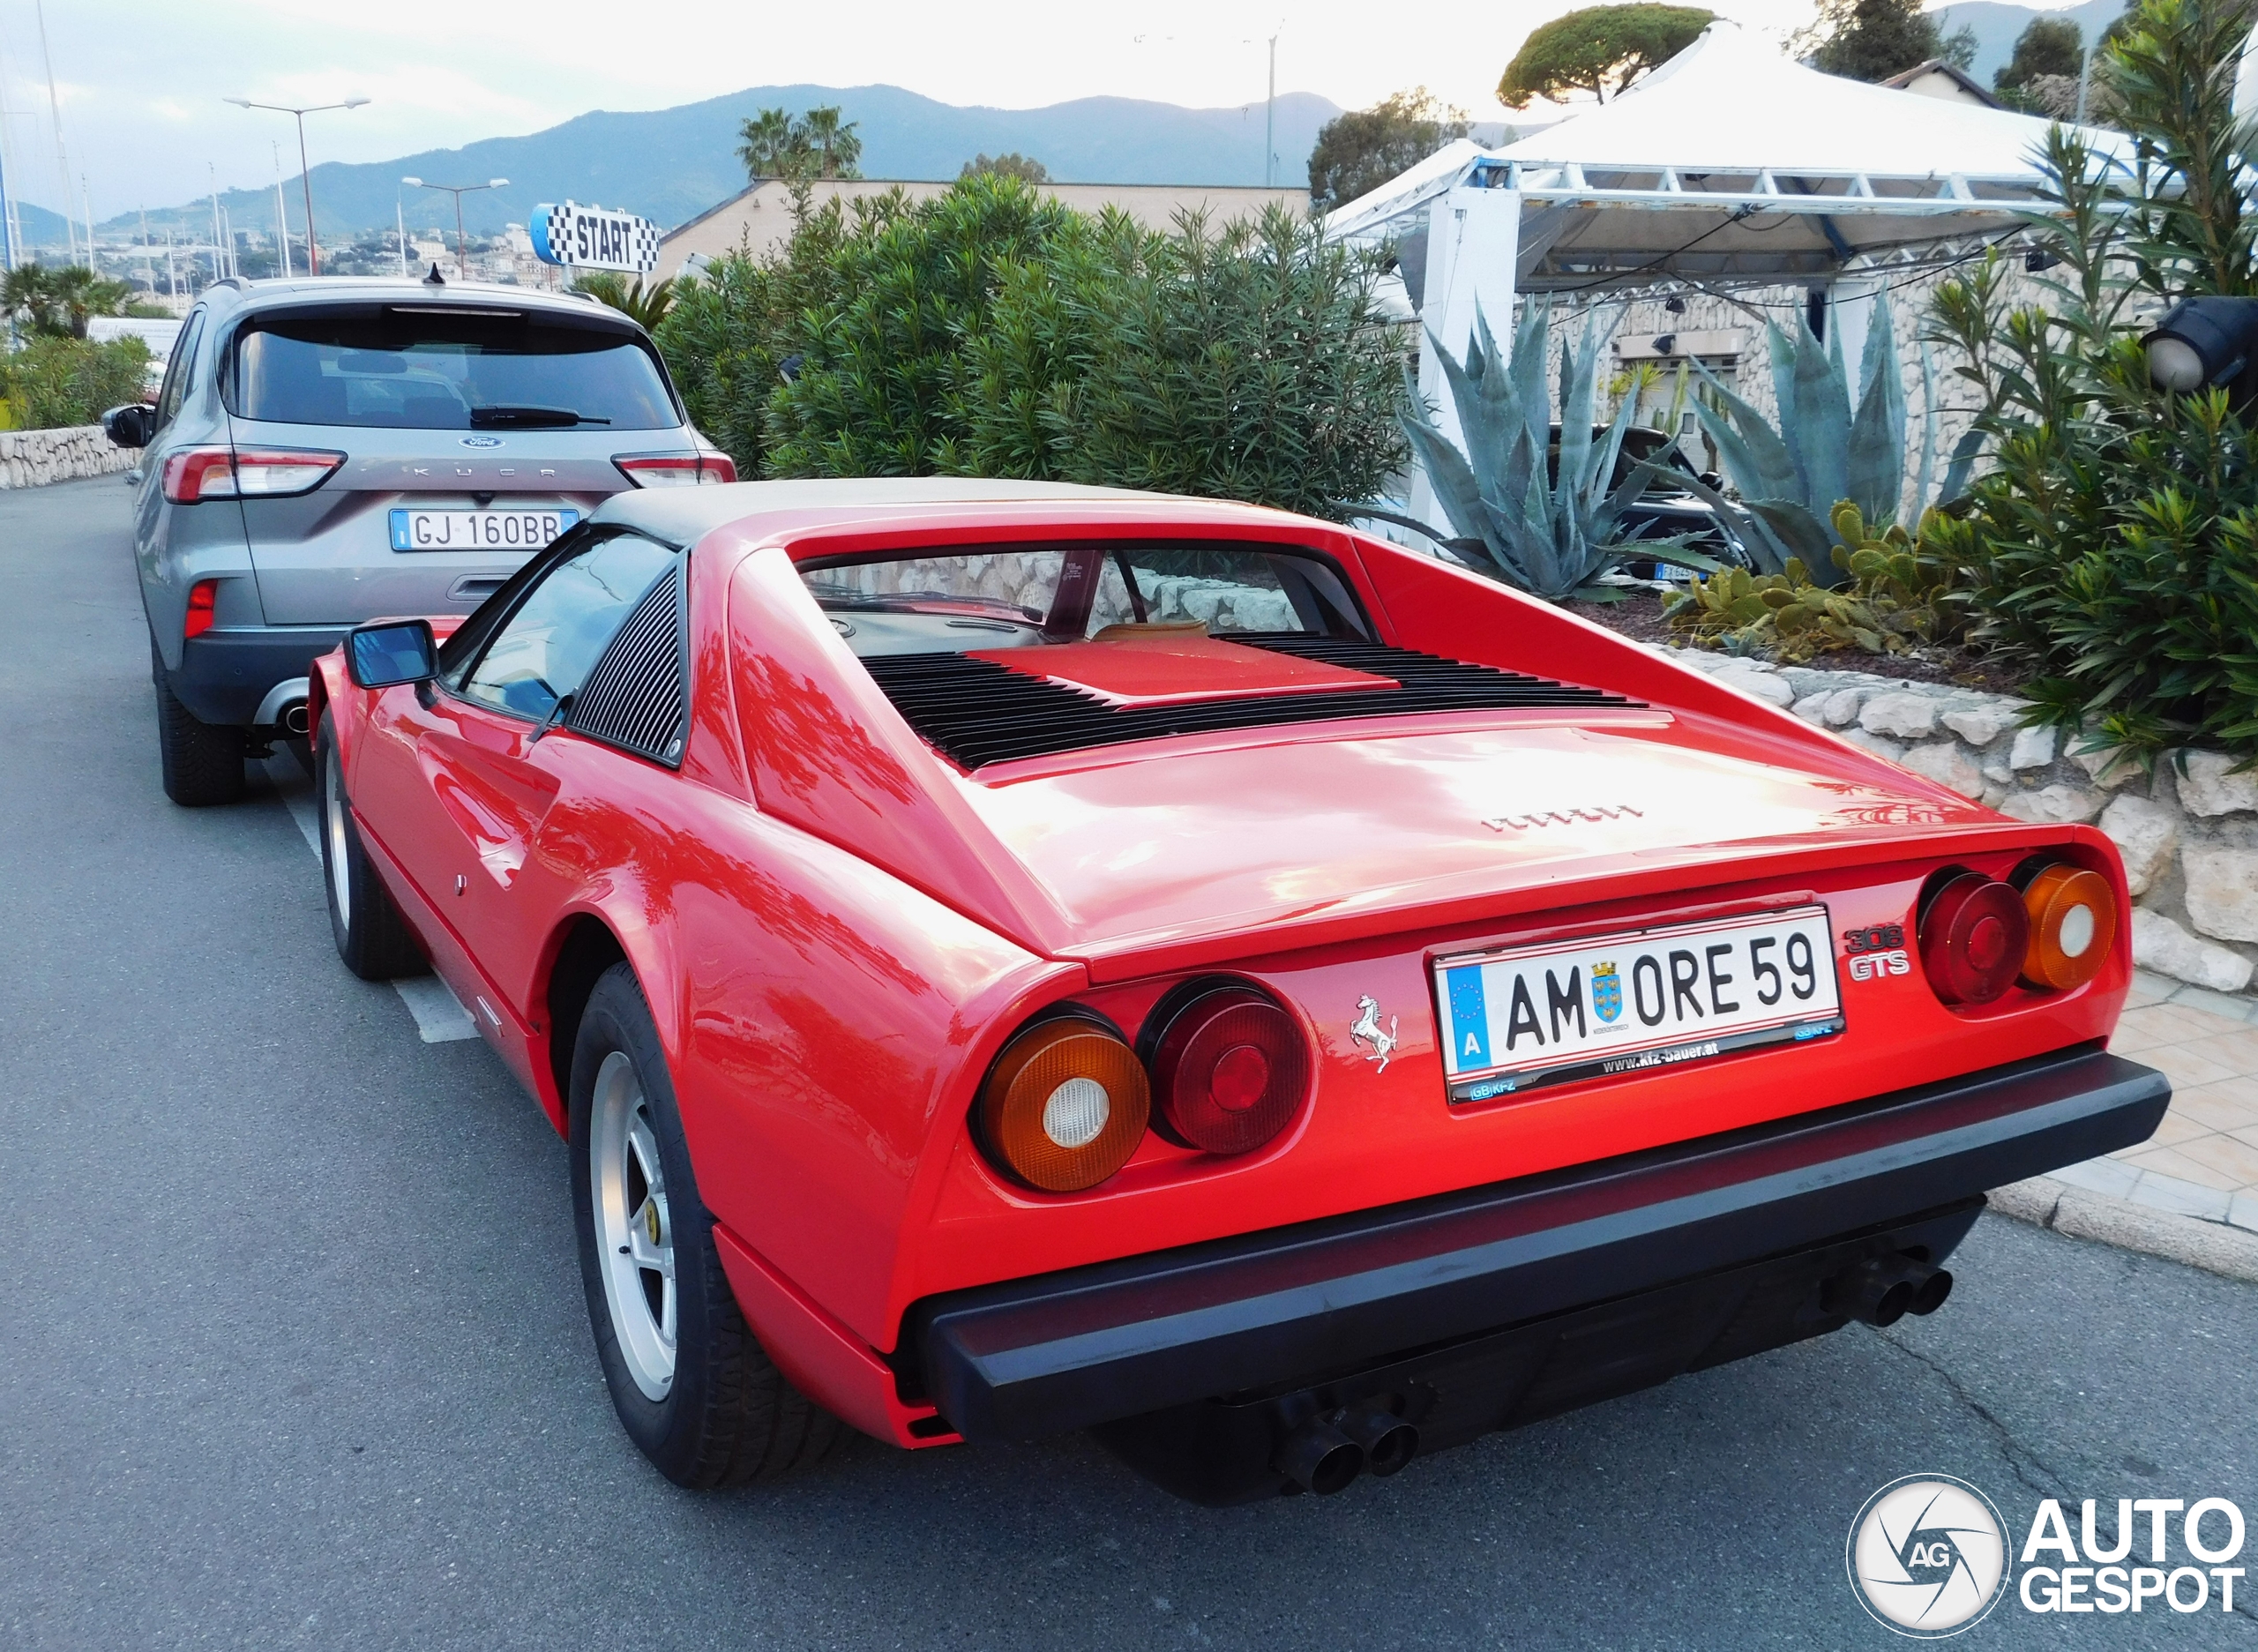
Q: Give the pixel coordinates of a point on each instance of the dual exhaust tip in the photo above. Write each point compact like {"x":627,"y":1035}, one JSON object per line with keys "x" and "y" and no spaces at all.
{"x":1883,"y":1289}
{"x":1328,"y":1453}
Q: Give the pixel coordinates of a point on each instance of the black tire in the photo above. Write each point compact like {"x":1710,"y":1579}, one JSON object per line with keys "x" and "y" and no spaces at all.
{"x":372,"y":938}
{"x":728,"y":1416}
{"x":201,"y":763}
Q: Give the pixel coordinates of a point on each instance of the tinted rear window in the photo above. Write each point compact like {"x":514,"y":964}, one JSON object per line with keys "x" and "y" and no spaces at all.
{"x":401,"y":368}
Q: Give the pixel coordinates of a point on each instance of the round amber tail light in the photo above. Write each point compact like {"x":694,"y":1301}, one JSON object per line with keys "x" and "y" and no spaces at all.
{"x":1230,"y":1069}
{"x":2073,"y":916}
{"x":1064,"y":1105}
{"x":1973,"y":937}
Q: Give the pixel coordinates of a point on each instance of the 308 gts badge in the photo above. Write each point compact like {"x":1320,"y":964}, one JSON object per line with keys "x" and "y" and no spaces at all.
{"x":1876,"y":950}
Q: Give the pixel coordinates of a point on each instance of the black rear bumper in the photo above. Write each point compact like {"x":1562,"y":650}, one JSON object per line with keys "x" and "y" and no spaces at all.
{"x":1299,"y":1306}
{"x":223,"y":676}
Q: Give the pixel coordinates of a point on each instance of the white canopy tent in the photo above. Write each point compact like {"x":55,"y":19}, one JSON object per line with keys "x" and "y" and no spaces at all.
{"x":1728,"y":164}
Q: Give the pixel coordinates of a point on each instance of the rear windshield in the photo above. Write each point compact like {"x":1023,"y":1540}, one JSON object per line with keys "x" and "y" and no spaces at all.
{"x":1027,"y":596}
{"x":401,"y":367}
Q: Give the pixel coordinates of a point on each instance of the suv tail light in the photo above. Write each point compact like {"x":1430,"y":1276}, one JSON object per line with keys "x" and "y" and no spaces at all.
{"x":676,"y":470}
{"x":203,"y":600}
{"x":1231,"y":1071}
{"x":198,"y":474}
{"x":1974,"y":934}
{"x":2073,"y":916}
{"x":1064,"y":1105}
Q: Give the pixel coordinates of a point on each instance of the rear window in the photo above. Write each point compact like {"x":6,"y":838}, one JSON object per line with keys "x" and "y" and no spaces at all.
{"x":405,"y":368}
{"x":1027,"y":596}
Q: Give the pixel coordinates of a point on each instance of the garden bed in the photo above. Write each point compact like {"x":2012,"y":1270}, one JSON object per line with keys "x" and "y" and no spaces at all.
{"x":1639,"y":617}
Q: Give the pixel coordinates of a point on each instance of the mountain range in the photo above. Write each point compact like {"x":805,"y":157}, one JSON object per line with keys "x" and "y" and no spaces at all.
{"x":670,"y":165}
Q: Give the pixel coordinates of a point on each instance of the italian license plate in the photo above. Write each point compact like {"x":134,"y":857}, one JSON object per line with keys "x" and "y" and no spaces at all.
{"x":478,"y":530}
{"x":1524,"y":1016}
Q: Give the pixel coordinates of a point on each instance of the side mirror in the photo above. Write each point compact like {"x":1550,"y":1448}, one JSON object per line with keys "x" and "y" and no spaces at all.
{"x":390,"y":652}
{"x":1713,"y":482}
{"x":131,"y":425}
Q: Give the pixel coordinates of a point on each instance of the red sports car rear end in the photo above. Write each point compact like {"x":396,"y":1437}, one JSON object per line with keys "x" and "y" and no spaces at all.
{"x":1015,"y":959}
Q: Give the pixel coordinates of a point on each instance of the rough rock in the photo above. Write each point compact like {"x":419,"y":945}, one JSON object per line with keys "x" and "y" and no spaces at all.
{"x":2145,"y":834}
{"x":2160,"y":945}
{"x":32,"y":459}
{"x":2033,"y":748}
{"x":2111,"y":768}
{"x":1813,"y":707}
{"x":1843,"y":705}
{"x":2210,"y":786}
{"x":1983,"y":722}
{"x":1875,"y":744}
{"x":1763,"y":685}
{"x":2222,"y":891}
{"x":1944,"y":761}
{"x":2053,"y":806}
{"x":1907,"y":716}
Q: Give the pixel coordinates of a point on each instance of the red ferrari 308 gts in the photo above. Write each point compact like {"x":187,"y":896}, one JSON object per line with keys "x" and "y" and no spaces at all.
{"x":1011,"y":959}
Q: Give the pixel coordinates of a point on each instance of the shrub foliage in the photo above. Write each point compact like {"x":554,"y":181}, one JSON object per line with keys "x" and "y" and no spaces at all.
{"x":992,"y":332}
{"x":2116,"y":540}
{"x":58,"y":381}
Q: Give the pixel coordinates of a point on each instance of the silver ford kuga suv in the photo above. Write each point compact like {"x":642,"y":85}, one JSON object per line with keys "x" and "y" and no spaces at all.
{"x":326,"y":452}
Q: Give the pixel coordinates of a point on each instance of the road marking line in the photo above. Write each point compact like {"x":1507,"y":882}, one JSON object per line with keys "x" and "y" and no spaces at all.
{"x":440,"y":1018}
{"x":440,"y":1015}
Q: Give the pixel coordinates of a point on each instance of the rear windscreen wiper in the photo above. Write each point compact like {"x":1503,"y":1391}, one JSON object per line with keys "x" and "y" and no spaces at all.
{"x":528,"y":418}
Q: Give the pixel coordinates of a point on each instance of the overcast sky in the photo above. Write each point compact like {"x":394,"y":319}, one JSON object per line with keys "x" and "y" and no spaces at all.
{"x":140,"y":81}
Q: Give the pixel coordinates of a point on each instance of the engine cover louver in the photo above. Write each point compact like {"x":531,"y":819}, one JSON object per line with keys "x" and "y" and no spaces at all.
{"x":633,"y":698}
{"x":976,"y":711}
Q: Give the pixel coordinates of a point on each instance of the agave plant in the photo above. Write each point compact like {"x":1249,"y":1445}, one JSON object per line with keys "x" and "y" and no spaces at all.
{"x":1791,"y":476}
{"x":1549,"y":529}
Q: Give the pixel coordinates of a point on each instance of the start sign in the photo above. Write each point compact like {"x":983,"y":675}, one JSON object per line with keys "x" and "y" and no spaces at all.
{"x":593,"y":238}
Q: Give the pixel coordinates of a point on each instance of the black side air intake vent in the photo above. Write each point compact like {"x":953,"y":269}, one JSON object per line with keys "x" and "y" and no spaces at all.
{"x":633,"y":698}
{"x":974,"y":712}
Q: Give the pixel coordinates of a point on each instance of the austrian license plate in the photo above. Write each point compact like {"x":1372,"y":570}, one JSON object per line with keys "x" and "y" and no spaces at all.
{"x":1524,"y":1016}
{"x":478,"y":530}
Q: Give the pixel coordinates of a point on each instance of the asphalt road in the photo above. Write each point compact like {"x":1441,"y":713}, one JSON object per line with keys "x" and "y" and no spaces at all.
{"x":293,"y":1350}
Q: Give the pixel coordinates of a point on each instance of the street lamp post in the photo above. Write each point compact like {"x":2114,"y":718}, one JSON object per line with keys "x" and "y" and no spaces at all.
{"x":462,"y":259}
{"x":305,"y":172}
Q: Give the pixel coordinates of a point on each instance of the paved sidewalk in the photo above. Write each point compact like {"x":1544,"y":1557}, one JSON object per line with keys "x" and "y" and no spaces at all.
{"x":2190,"y":1191}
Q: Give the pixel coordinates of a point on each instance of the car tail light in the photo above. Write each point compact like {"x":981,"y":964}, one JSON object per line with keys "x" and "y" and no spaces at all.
{"x":2073,"y":917}
{"x":1974,"y":934}
{"x":676,"y":470}
{"x":1230,"y":1070}
{"x":198,"y":474}
{"x":1064,"y":1105}
{"x":203,"y":598}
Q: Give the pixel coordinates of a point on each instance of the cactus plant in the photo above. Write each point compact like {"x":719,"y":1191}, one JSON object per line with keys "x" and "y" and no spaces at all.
{"x":1821,"y":451}
{"x":1549,"y":529}
{"x":1899,"y":596}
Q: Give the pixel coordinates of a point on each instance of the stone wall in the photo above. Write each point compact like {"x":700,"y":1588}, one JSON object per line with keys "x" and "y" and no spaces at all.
{"x":2188,"y":829}
{"x":32,"y":459}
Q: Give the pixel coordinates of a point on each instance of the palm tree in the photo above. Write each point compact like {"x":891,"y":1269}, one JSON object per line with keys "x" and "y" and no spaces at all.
{"x":838,"y":146}
{"x":55,"y":303}
{"x":767,"y":146}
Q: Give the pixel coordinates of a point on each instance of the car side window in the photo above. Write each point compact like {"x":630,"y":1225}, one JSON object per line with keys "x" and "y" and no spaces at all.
{"x":175,"y":389}
{"x":545,"y":650}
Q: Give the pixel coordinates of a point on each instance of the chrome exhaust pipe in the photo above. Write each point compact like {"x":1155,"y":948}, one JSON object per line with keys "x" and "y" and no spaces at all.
{"x":294,"y":717}
{"x":1319,"y":1457}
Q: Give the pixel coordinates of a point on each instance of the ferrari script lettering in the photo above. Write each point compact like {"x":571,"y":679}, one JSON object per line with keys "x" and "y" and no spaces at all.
{"x":1561,"y":817}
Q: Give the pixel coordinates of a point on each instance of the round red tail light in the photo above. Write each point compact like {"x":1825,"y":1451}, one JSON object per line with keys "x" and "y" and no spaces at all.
{"x":2073,"y":916}
{"x":1231,"y":1071}
{"x":1973,"y":939}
